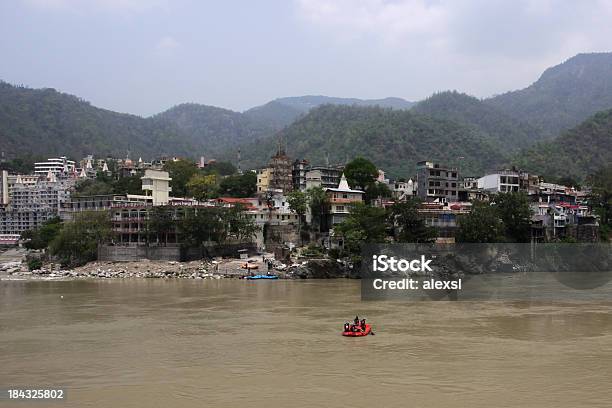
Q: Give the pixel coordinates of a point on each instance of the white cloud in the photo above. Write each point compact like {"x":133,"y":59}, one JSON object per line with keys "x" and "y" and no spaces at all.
{"x":390,"y":21}
{"x":468,"y":27}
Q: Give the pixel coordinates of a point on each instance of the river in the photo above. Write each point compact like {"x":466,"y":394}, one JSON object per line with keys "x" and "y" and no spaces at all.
{"x":232,"y":343}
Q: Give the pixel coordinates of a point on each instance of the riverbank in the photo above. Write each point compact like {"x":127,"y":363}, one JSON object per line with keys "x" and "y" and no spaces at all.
{"x":203,"y":269}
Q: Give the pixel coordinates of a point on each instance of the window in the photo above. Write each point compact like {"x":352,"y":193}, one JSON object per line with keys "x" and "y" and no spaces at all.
{"x":339,"y":208}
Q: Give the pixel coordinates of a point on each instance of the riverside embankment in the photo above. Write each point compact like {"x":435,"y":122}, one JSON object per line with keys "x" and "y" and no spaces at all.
{"x":204,"y":269}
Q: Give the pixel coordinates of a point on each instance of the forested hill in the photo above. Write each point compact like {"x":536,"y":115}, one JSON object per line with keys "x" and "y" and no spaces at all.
{"x":393,"y":139}
{"x":576,"y":153}
{"x":469,"y":110}
{"x":46,"y":122}
{"x":564,"y":96}
{"x":214,"y":129}
{"x":284,"y":111}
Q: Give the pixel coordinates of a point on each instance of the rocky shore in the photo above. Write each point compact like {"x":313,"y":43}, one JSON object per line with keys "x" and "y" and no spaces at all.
{"x":204,"y":269}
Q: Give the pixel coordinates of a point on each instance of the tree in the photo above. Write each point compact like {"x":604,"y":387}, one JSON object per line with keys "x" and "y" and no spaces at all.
{"x":41,"y":238}
{"x":298,"y":203}
{"x":77,"y":242}
{"x":181,"y":171}
{"x":202,"y":187}
{"x":91,"y":187}
{"x":160,"y":223}
{"x":363,"y":225}
{"x":360,"y":173}
{"x":239,"y":185}
{"x":201,"y":225}
{"x":409,"y":226}
{"x":481,"y":225}
{"x":377,"y":190}
{"x":216,"y":224}
{"x":514,"y":211}
{"x":128,"y":185}
{"x":319,"y":204}
{"x":238,"y":224}
{"x":221,"y":168}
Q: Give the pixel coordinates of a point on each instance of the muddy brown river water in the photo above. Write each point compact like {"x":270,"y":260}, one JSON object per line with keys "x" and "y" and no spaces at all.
{"x":231,"y":343}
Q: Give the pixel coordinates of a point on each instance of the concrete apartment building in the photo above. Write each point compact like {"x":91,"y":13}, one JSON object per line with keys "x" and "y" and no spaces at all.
{"x":509,"y":180}
{"x":436,"y":182}
{"x":28,"y":201}
{"x":323,"y":176}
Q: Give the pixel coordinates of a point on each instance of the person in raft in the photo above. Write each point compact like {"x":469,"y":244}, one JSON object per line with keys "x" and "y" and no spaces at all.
{"x":363,"y":325}
{"x":347,"y":326}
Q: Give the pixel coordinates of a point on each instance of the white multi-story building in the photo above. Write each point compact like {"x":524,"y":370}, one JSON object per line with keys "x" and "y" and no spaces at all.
{"x":504,"y":181}
{"x":341,"y":199}
{"x":57,"y":166}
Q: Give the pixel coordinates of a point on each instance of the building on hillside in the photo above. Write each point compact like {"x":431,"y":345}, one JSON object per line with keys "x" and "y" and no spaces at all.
{"x":404,"y":190}
{"x":469,"y":190}
{"x":553,"y":221}
{"x":300,"y":167}
{"x":57,"y":166}
{"x":27,"y":205}
{"x":341,"y":199}
{"x":281,"y":171}
{"x":323,"y":176}
{"x":504,"y":181}
{"x":156,"y":184}
{"x":382,"y":178}
{"x":509,"y":180}
{"x":437,"y":183}
{"x":263,"y":180}
{"x":443,"y":217}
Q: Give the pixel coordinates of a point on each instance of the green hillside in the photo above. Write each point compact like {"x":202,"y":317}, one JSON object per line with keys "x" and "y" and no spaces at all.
{"x":469,"y":110}
{"x":576,"y":153}
{"x":393,"y":139}
{"x":563,"y":96}
{"x":284,"y":111}
{"x":47,"y":122}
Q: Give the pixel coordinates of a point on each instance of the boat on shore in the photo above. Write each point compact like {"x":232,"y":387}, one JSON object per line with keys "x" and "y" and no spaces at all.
{"x":258,"y":277}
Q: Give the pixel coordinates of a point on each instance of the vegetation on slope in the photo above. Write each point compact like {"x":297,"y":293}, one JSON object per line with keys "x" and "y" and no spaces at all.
{"x":577,"y":153}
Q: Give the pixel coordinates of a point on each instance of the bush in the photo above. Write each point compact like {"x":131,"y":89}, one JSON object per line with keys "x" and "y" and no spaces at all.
{"x":34,"y":262}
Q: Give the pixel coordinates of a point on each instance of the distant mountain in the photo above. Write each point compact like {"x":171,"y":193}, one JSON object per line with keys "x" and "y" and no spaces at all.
{"x":393,"y":139}
{"x":564,"y":96}
{"x":576,"y":153}
{"x":284,"y":111}
{"x":47,"y":122}
{"x":213,"y":129}
{"x":469,"y":110}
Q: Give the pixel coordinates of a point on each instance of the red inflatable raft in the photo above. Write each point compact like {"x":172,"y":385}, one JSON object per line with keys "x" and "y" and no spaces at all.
{"x":368,"y":330}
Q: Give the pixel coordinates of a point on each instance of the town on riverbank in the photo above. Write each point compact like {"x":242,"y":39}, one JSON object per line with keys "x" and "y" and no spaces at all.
{"x":175,"y":218}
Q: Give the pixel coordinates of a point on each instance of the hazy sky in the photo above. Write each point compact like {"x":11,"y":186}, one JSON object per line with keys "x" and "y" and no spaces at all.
{"x":143,"y":56}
